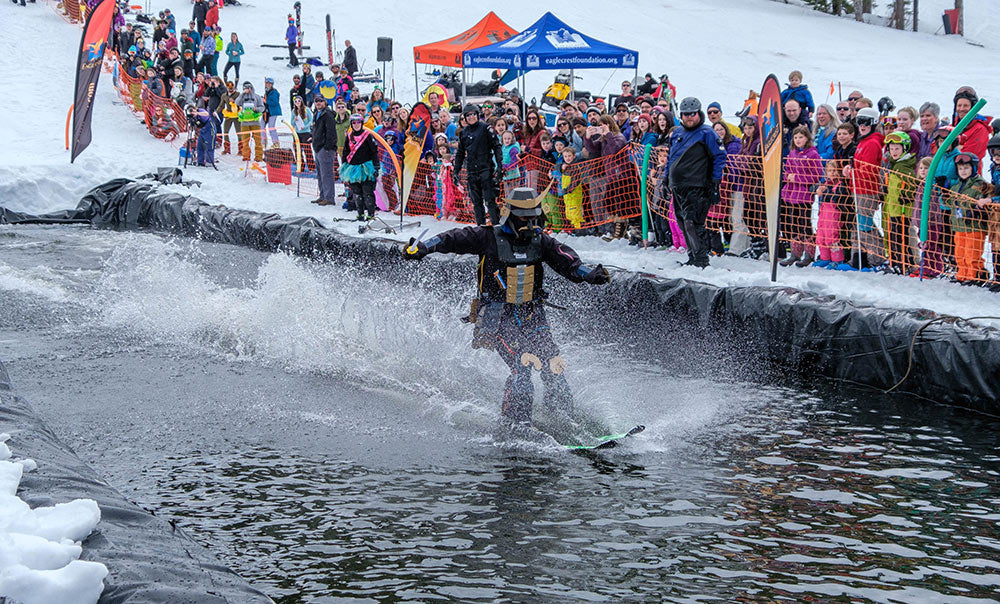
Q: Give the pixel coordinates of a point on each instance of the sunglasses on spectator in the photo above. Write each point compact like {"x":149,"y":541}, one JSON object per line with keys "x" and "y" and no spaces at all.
{"x":713,"y":112}
{"x":839,"y":109}
{"x":621,"y":110}
{"x":689,"y":113}
{"x":853,"y":98}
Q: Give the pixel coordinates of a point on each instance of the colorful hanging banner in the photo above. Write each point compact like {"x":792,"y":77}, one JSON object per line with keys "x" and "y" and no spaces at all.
{"x":769,"y":112}
{"x":93,"y":43}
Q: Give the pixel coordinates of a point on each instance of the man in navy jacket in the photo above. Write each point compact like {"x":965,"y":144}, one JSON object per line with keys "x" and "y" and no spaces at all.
{"x":694,"y":171}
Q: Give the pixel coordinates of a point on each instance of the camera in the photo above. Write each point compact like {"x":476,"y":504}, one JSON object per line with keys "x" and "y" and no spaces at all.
{"x":885,"y":105}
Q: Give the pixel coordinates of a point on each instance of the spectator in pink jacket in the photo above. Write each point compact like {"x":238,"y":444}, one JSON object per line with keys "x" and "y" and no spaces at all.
{"x":803,"y":169}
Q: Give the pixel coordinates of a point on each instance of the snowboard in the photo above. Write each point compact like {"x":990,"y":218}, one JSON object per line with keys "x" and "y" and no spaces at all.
{"x":329,"y":39}
{"x":416,"y":135}
{"x":298,"y":26}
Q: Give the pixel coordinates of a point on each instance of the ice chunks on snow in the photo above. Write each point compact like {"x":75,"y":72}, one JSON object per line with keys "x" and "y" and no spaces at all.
{"x":77,"y":582}
{"x":10,"y":477}
{"x":39,"y":549}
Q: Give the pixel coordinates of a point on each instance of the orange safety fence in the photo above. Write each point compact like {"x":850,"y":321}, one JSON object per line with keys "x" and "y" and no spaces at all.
{"x":831,"y":209}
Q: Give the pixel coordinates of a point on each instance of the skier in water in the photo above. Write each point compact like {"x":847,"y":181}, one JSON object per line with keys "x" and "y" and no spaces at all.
{"x":509,"y":311}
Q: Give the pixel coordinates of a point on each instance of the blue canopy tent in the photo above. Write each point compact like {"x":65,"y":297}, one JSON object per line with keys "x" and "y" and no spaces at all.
{"x":550,"y":44}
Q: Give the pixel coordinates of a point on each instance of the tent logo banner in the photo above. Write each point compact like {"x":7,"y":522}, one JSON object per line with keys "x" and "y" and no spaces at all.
{"x":628,"y":60}
{"x":563,"y":39}
{"x":525,"y":37}
{"x":532,"y":62}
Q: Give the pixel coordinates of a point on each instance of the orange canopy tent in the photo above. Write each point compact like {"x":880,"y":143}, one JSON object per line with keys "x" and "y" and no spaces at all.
{"x":490,"y":30}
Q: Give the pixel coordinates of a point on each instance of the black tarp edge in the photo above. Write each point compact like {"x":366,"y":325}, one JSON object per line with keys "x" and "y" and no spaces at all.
{"x":148,"y":558}
{"x":954,"y":362}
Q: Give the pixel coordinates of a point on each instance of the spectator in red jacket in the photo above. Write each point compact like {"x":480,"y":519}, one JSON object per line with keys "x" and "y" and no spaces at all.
{"x":532,"y":131}
{"x":977,"y":134}
{"x":212,"y":15}
{"x":864,"y":175}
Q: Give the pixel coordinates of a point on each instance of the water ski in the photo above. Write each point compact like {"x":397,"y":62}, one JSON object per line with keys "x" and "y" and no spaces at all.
{"x":607,"y":441}
{"x":580,"y":432}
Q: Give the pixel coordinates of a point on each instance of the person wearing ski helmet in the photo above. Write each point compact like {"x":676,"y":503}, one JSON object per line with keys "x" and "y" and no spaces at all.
{"x":975,"y":136}
{"x":509,"y":309}
{"x":694,"y":172}
{"x":359,"y":166}
{"x":898,"y":203}
{"x":480,"y":152}
{"x":863,"y":173}
{"x":968,"y":218}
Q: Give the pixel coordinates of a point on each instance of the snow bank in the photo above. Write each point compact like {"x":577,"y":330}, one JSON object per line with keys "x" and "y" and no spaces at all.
{"x":40,"y":549}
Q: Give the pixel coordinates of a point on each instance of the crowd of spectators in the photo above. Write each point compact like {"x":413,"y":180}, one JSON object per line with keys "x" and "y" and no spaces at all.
{"x":852,"y":178}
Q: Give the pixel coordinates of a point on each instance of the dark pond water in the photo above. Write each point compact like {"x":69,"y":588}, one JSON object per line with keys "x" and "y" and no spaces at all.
{"x":329,"y":435}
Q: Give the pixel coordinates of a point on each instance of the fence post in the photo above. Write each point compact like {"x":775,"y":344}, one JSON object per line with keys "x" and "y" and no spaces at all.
{"x":643,"y":195}
{"x":69,"y":115}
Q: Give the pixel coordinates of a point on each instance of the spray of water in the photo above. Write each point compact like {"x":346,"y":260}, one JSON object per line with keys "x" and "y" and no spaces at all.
{"x":335,"y":320}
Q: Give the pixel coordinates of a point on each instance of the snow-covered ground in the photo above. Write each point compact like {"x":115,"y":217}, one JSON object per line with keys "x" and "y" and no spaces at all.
{"x":40,"y":548}
{"x":715,"y":49}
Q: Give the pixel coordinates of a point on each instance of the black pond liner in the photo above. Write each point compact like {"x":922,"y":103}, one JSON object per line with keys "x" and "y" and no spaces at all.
{"x":953,"y":362}
{"x":148,"y":558}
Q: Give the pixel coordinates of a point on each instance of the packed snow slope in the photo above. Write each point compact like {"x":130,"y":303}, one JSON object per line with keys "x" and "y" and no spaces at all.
{"x":714,"y":49}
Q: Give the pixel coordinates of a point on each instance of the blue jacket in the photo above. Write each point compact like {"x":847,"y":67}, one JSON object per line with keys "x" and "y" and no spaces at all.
{"x":291,"y":34}
{"x":648,"y":139}
{"x":272,"y":101}
{"x":824,"y":141}
{"x":384,"y":105}
{"x":696,"y":156}
{"x":801,"y":94}
{"x":234,"y":51}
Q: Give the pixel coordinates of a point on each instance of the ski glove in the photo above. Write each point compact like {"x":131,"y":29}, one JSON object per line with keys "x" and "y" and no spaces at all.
{"x":715,"y":192}
{"x":455,"y":181}
{"x":414,"y":250}
{"x":598,"y":276}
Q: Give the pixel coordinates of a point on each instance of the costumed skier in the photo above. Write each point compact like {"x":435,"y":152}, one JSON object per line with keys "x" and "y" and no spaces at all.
{"x":509,"y":310}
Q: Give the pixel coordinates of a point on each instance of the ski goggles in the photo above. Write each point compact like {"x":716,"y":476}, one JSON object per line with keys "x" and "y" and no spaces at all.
{"x":357,"y":119}
{"x":966,"y":158}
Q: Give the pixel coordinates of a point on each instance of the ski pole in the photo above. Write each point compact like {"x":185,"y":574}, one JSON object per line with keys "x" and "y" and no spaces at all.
{"x":413,"y":247}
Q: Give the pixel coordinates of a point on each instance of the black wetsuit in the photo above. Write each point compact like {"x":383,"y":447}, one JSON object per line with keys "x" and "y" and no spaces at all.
{"x":510,"y":316}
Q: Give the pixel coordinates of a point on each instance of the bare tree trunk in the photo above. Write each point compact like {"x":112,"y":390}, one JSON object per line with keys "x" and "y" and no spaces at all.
{"x":859,"y":10}
{"x":836,"y":8}
{"x":916,"y":6}
{"x":961,"y":17}
{"x":899,"y":14}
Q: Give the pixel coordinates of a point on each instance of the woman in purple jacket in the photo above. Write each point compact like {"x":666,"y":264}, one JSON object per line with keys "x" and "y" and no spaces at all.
{"x":803,"y":169}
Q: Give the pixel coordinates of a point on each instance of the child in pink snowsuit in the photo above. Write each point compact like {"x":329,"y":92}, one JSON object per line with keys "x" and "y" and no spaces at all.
{"x":834,"y":195}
